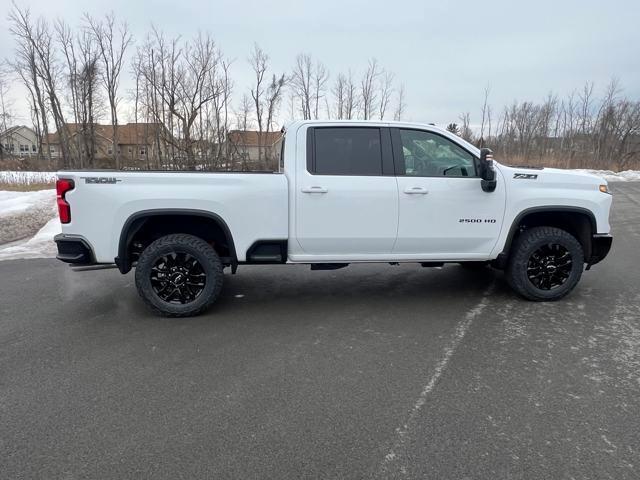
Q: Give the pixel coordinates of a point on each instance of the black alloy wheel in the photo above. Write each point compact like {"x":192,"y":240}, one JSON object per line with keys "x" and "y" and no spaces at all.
{"x":178,"y":278}
{"x":549,"y":266}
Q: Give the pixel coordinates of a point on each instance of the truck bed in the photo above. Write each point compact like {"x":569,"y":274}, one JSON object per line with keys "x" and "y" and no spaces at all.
{"x":253,"y":205}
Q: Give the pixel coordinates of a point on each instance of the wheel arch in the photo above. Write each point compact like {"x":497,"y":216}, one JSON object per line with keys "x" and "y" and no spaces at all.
{"x":135,"y":224}
{"x":578,"y":221}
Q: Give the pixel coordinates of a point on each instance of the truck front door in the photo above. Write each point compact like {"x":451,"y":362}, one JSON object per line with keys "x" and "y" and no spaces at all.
{"x":444,"y":213}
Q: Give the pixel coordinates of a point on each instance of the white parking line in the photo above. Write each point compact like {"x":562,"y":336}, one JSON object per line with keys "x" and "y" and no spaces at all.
{"x":392,"y":460}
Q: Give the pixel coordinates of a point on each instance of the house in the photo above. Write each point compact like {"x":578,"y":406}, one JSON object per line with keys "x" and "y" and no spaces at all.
{"x":136,"y":142}
{"x":19,"y":141}
{"x":245,"y":145}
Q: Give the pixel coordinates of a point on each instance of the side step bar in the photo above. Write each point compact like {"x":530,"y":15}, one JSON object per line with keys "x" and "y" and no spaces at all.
{"x":328,"y":266}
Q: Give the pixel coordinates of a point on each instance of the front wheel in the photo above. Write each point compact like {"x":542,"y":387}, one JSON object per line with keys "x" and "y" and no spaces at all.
{"x":545,"y":264}
{"x":179,"y":275}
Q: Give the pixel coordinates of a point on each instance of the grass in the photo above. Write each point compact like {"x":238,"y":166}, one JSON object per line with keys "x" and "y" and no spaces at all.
{"x":26,"y":187}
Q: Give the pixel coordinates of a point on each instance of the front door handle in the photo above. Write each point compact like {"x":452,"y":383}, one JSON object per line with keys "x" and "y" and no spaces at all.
{"x":416,"y":191}
{"x":314,"y":189}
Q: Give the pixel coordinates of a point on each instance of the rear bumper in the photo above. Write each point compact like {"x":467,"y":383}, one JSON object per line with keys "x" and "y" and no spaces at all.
{"x":600,"y":246}
{"x":74,"y":249}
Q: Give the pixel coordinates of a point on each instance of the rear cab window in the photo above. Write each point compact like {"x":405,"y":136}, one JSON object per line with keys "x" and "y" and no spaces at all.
{"x":345,"y":151}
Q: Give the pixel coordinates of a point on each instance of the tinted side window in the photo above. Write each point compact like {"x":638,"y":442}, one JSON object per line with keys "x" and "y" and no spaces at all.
{"x":427,"y":154}
{"x":347,"y":151}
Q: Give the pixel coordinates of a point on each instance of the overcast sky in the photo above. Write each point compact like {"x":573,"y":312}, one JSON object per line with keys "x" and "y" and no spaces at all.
{"x":444,"y":52}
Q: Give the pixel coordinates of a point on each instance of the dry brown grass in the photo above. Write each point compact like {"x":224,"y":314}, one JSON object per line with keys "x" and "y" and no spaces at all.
{"x":26,"y":187}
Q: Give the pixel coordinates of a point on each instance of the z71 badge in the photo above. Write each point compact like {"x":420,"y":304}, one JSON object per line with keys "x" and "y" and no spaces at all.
{"x":525,"y":176}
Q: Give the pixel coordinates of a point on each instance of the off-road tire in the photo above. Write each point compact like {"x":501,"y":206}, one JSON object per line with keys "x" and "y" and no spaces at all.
{"x":530,"y":241}
{"x":196,"y":248}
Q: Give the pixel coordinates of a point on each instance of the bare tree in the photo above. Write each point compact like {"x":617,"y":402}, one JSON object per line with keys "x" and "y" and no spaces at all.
{"x":586,"y":100}
{"x":112,"y":42}
{"x":243,"y":114}
{"x":266,"y":96}
{"x":221,"y":105}
{"x":351,"y":101}
{"x":292,"y":105}
{"x":40,"y":69}
{"x":627,"y":148}
{"x":339,"y":92}
{"x":465,"y":129}
{"x":320,"y":78}
{"x":182,"y":74}
{"x":24,"y":67}
{"x":485,"y":114}
{"x":82,"y":78}
{"x":5,"y":102}
{"x":243,"y":123}
{"x":386,"y":89}
{"x":398,"y":113}
{"x":307,"y":83}
{"x":5,"y":105}
{"x":578,"y":131}
{"x":273,"y":99}
{"x":259,"y":62}
{"x":301,"y":81}
{"x":368,"y":87}
{"x":86,"y":83}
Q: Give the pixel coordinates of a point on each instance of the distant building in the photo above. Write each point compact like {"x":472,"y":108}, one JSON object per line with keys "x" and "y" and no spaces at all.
{"x":137,"y":142}
{"x":244,"y":145}
{"x":19,"y":141}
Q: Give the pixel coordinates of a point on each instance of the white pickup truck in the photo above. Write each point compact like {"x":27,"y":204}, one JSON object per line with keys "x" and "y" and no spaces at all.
{"x":347,"y":191}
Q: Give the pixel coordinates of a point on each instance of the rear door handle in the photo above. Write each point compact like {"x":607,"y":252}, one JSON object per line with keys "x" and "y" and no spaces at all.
{"x":314,"y":189}
{"x":416,"y":191}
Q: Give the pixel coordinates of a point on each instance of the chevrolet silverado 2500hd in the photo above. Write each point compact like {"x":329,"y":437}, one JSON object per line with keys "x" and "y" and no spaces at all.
{"x":346,"y":192}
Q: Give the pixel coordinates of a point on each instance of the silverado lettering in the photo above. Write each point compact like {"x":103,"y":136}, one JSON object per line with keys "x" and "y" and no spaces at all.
{"x":100,"y":180}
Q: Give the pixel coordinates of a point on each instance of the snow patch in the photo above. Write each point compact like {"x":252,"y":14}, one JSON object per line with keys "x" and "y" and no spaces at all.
{"x":610,"y":176}
{"x":41,"y":245}
{"x":18,"y":202}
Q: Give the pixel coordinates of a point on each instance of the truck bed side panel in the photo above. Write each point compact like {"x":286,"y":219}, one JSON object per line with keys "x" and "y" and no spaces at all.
{"x":254,"y":206}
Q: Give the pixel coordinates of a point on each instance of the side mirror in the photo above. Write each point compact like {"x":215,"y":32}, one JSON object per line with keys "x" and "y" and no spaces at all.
{"x":487,"y":172}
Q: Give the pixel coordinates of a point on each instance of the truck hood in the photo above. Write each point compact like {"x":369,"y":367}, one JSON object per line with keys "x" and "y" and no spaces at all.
{"x":557,"y":176}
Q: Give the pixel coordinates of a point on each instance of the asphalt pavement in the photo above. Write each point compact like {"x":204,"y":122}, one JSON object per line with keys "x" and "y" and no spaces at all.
{"x":372,"y":371}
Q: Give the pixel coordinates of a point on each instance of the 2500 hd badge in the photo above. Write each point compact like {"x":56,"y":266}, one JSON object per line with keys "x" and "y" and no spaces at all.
{"x":477,"y":220}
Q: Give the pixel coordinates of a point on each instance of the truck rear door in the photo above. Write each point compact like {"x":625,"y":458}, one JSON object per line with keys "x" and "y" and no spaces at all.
{"x":346,"y":194}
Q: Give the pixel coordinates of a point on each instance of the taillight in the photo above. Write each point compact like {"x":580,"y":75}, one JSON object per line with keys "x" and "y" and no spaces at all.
{"x":63,"y":185}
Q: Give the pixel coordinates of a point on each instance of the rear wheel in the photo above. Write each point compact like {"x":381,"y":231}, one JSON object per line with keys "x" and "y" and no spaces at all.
{"x":545,"y":264}
{"x":179,"y":275}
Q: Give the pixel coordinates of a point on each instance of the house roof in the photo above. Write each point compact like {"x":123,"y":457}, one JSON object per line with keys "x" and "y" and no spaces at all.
{"x":16,"y":130}
{"x":250,"y":138}
{"x":9,"y":130}
{"x":128,"y":134}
